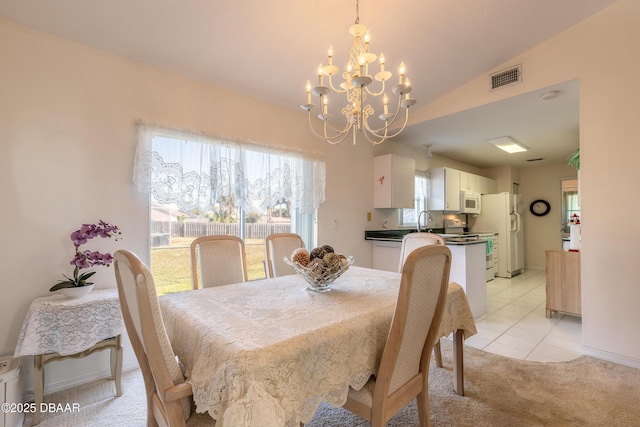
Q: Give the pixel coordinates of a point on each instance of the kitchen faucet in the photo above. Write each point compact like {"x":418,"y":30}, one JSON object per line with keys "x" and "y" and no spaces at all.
{"x":429,"y":218}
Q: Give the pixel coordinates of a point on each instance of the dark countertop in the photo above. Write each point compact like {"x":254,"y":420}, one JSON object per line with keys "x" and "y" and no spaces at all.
{"x":396,"y":235}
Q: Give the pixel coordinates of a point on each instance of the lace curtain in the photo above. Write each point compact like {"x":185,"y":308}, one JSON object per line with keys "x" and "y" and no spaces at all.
{"x":199,"y":172}
{"x":423,"y":182}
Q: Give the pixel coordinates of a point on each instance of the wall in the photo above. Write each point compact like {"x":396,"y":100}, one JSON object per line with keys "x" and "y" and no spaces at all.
{"x":601,"y":52}
{"x":67,"y":143}
{"x":542,"y":233}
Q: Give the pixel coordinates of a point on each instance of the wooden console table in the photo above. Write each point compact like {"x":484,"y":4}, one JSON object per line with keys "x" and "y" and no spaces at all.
{"x":57,"y":328}
{"x":563,"y":282}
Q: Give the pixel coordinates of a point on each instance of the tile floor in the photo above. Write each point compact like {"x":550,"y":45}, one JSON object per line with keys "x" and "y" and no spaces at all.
{"x":515,"y":325}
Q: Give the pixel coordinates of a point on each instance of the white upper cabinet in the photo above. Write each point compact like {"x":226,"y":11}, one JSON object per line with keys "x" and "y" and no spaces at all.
{"x":489,"y":186}
{"x":470,"y":182}
{"x":445,"y":190}
{"x":393,"y":181}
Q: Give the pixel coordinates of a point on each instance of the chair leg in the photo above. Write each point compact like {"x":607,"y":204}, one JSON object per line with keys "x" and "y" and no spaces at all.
{"x":423,"y":409}
{"x":437,"y":353}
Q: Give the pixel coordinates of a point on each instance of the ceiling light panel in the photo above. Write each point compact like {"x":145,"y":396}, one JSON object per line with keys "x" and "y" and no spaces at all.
{"x":508,"y":144}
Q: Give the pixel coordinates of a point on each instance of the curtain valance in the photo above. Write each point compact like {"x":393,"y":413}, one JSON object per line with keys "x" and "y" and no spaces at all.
{"x":196,"y":171}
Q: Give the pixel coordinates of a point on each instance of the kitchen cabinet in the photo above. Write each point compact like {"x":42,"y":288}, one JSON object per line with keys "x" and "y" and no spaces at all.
{"x":445,"y":190}
{"x":563,"y":282}
{"x":488,"y":185}
{"x":394,"y":181}
{"x":386,"y":255}
{"x":470,"y":182}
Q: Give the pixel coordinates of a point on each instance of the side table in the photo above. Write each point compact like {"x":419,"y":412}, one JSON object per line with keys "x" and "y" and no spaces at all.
{"x":57,"y":328}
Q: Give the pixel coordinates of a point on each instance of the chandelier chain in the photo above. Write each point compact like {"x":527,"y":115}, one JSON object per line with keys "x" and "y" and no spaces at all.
{"x":357,"y":12}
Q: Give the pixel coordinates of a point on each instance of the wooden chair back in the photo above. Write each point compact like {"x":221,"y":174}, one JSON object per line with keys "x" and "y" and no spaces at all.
{"x":404,"y":368}
{"x":276,"y":247}
{"x":217,"y":261}
{"x":168,"y":401}
{"x":412,"y":241}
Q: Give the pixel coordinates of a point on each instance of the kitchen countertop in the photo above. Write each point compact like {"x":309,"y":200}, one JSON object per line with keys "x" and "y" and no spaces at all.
{"x":397,"y":235}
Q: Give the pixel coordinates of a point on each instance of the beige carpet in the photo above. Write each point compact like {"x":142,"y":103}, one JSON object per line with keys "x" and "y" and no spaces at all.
{"x":499,"y":392}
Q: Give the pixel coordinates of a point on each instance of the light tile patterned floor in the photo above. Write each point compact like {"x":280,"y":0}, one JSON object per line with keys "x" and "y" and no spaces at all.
{"x":515,"y":325}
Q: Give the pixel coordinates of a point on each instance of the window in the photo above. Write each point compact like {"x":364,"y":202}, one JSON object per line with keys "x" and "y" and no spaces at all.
{"x":570,"y":202}
{"x":408,"y":217}
{"x":202,"y":186}
{"x":571,"y":207}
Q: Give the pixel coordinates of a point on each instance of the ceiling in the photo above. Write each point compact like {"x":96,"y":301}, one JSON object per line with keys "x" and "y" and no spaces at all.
{"x":548,"y":128}
{"x":269,"y":49}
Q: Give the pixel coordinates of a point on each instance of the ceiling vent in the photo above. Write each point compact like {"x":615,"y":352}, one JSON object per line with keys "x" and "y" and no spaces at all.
{"x":507,"y":77}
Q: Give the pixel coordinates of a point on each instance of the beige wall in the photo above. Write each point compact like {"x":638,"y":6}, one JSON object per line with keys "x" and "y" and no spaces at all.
{"x":602,"y":53}
{"x":67,"y":143}
{"x":542,"y":233}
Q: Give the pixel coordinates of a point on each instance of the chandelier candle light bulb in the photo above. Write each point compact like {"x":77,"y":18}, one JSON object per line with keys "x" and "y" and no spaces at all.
{"x":356,"y":89}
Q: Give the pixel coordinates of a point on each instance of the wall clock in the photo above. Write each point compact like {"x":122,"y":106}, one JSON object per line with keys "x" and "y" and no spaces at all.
{"x":539,"y":207}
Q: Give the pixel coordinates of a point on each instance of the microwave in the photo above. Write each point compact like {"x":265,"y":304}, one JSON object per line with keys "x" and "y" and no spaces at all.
{"x":470,"y":202}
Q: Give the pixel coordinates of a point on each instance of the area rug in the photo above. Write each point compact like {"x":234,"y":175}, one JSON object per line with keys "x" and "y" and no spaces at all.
{"x":499,"y":391}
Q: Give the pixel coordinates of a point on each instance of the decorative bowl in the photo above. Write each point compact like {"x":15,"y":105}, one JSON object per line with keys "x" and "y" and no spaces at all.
{"x":77,"y":291}
{"x":318,"y":276}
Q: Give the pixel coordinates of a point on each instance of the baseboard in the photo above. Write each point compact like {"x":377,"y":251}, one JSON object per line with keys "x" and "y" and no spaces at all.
{"x":610,"y":357}
{"x":86,"y":377}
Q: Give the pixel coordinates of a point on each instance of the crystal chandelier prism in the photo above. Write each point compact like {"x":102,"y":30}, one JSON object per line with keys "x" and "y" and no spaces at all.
{"x":356,"y":87}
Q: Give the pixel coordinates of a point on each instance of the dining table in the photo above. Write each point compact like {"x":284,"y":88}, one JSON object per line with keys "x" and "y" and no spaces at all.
{"x":268,"y":352}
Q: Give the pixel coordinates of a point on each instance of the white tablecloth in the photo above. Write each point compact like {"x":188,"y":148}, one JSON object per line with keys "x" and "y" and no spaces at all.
{"x":268,"y":352}
{"x":56,"y":324}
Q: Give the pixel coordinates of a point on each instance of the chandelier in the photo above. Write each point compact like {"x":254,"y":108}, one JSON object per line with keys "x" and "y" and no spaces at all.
{"x":356,"y":87}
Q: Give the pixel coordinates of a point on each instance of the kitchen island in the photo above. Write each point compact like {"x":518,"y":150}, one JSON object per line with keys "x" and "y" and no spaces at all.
{"x":468,"y":262}
{"x":468,"y":269}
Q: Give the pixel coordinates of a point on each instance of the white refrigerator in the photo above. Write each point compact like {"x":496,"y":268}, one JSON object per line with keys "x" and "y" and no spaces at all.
{"x":502,"y":213}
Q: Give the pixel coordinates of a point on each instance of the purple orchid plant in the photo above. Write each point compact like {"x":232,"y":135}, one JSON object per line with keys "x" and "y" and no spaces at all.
{"x":87,"y":259}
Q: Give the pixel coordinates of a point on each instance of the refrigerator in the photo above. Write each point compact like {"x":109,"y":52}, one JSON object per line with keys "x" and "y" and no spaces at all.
{"x":502,"y":213}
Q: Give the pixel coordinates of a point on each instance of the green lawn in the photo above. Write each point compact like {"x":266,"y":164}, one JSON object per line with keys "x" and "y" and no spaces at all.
{"x":171,"y":265}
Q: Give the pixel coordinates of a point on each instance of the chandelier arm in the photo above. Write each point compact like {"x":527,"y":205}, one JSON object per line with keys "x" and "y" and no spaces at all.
{"x":327,"y":136}
{"x":386,"y":128}
{"x":335,"y":89}
{"x":375,"y":93}
{"x":326,"y":123}
{"x":388,"y":123}
{"x":380,"y":141}
{"x":337,"y":141}
{"x":406,"y":120}
{"x":377,"y":132}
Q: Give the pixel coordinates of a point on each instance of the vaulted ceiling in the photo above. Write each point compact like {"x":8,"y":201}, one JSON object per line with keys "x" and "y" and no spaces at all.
{"x":269,"y":49}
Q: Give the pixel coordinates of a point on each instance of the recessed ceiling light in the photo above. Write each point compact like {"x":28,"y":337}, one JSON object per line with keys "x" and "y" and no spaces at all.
{"x":508,"y":144}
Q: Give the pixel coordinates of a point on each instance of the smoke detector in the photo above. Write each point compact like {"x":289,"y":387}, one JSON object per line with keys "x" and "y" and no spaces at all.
{"x":550,"y":95}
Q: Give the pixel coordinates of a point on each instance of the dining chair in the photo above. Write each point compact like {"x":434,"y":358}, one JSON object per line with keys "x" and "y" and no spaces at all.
{"x":413,"y":241}
{"x":410,"y":242}
{"x":404,"y":368}
{"x":276,"y":247}
{"x":217,"y":261}
{"x":168,"y":395}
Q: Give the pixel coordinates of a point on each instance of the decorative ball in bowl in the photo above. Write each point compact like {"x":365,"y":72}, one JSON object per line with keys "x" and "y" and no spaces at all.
{"x":320,"y":267}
